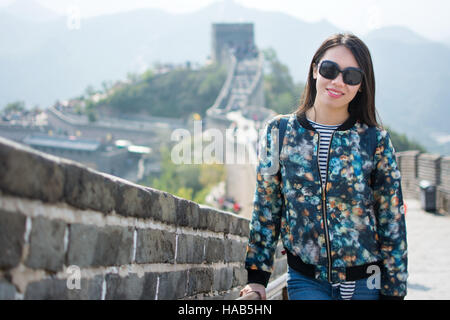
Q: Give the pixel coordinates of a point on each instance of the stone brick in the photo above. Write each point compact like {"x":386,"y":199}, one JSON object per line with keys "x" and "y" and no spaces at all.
{"x":239,"y":226}
{"x":239,"y":276}
{"x":234,"y":225}
{"x":149,"y":287}
{"x":200,"y":280}
{"x":23,"y":171}
{"x":244,"y":228}
{"x":47,"y":289}
{"x":88,"y":189}
{"x":202,"y":217}
{"x":132,"y":201}
{"x":7,"y":290}
{"x":223,"y":279}
{"x":124,"y":288}
{"x":228,"y":250}
{"x":187,"y":213}
{"x":114,"y":246}
{"x":46,"y":244}
{"x":165,"y":209}
{"x":155,"y":246}
{"x":172,"y":285}
{"x":216,"y":221}
{"x":234,"y":250}
{"x":95,"y":246}
{"x":12,"y":229}
{"x":57,"y":289}
{"x":90,"y":289}
{"x":190,"y":249}
{"x":82,"y":243}
{"x":215,"y":250}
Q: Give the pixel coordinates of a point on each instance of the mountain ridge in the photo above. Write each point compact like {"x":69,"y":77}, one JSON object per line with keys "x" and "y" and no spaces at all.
{"x":45,"y":61}
{"x":30,"y":10}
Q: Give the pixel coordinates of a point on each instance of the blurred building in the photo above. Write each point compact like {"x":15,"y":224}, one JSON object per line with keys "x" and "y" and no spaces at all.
{"x":92,"y":153}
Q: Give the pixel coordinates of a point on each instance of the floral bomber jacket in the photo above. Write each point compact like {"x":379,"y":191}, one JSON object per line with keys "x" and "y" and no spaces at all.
{"x":357,"y":220}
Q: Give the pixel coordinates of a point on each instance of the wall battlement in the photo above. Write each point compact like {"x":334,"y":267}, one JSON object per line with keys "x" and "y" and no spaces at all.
{"x":126,"y":241}
{"x":61,"y":221}
{"x":416,"y":166}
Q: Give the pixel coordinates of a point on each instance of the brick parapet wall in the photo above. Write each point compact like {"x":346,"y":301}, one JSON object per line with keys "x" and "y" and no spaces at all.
{"x":407,"y":162}
{"x":125,"y":240}
{"x":443,"y":190}
{"x":416,"y":167}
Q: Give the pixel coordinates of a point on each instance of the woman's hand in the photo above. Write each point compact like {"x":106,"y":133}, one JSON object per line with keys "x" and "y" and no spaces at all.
{"x":254,"y":287}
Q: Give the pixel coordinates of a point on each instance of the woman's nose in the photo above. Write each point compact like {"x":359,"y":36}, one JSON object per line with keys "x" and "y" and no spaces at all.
{"x":339,"y":80}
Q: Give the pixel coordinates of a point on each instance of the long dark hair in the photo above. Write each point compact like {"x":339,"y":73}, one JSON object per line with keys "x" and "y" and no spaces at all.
{"x":362,"y":107}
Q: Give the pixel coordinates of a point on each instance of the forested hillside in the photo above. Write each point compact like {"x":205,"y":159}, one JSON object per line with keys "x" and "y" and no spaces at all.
{"x":176,"y":94}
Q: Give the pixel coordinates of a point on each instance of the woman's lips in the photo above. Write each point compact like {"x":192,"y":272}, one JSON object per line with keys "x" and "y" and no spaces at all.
{"x":334,"y":94}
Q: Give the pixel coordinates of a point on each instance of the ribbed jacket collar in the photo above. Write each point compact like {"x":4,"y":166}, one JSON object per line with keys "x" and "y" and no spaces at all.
{"x":349,"y":123}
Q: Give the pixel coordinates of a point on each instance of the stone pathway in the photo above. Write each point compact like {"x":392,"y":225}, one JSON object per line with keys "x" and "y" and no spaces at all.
{"x":428,"y":253}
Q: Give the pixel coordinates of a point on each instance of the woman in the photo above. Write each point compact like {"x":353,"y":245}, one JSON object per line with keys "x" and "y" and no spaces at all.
{"x":335,"y":196}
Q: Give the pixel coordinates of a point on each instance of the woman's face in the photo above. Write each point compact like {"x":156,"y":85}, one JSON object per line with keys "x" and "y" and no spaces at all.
{"x":335,"y":93}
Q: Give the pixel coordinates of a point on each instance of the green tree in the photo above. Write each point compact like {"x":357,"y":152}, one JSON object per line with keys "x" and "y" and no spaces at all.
{"x":90,"y":111}
{"x":281,"y":93}
{"x":132,"y":77}
{"x":174,"y":94}
{"x":402,"y":143}
{"x":92,"y":116}
{"x":18,"y":106}
{"x":147,"y":75}
{"x":188,"y":181}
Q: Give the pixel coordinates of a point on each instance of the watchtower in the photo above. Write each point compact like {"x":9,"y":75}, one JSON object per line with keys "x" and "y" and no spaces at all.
{"x":237,"y":38}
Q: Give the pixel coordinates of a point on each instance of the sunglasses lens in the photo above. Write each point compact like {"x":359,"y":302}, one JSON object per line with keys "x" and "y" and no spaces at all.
{"x":352,"y":77}
{"x":328,"y":70}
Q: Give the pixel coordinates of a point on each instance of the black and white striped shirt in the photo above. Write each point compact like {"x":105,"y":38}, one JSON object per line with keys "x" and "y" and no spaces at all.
{"x":325,"y":133}
{"x":346,"y":288}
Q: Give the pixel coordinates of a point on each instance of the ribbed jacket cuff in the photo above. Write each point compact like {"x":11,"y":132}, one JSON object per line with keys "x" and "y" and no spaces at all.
{"x":258,"y":276}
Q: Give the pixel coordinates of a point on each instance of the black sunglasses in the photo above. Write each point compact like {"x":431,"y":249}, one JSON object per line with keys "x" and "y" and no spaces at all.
{"x":351,"y":75}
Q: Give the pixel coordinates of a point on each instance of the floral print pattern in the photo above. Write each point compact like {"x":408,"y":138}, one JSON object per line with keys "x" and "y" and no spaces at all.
{"x":364,"y":205}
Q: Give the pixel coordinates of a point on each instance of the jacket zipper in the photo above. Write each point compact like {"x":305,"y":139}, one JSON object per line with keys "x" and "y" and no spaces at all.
{"x":324,"y":204}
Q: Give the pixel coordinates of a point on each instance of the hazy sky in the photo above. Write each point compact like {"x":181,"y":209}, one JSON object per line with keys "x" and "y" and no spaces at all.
{"x":429,"y":18}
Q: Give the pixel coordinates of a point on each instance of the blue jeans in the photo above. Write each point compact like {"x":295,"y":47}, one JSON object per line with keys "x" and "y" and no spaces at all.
{"x":301,"y":287}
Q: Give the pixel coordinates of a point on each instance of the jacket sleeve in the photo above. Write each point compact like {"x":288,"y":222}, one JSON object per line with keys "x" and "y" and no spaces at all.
{"x":390,"y":215}
{"x":266,"y":215}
